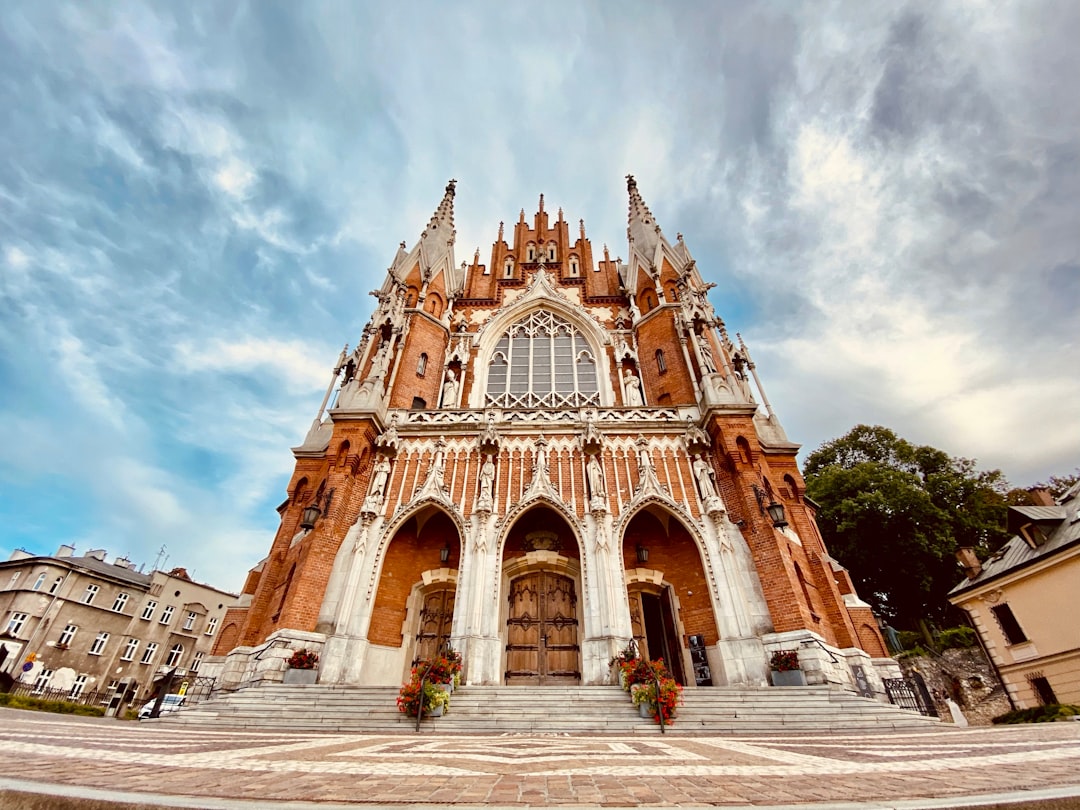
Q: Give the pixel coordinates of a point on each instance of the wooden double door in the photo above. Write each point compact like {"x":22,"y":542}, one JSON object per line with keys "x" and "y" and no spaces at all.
{"x":436,"y":619}
{"x":542,"y":631}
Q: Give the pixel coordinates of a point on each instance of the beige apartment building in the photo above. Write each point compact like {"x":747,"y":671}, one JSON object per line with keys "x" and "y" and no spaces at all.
{"x":85,"y":624}
{"x":1022,"y":601}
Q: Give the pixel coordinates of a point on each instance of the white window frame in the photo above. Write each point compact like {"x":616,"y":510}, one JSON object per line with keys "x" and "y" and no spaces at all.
{"x":120,"y":602}
{"x":98,"y":647}
{"x":16,"y":622}
{"x":196,"y":661}
{"x":56,"y":584}
{"x":38,"y":582}
{"x":68,"y":634}
{"x":149,"y":652}
{"x":176,"y":653}
{"x":131,"y":646}
{"x":211,"y":626}
{"x":91,"y":592}
{"x":190,"y":619}
{"x":148,"y":610}
{"x":77,"y":687}
{"x":41,"y":683}
{"x":166,"y":615}
{"x":14,"y":579}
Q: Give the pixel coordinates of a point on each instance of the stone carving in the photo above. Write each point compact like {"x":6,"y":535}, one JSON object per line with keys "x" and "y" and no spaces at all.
{"x":706,"y":355}
{"x":449,"y":390}
{"x":632,"y":389}
{"x":485,"y":500}
{"x":705,"y":477}
{"x":597,"y":487}
{"x":377,"y":491}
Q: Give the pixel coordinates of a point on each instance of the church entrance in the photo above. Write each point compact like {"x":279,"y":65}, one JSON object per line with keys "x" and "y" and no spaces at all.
{"x":436,"y":617}
{"x":652,"y":618}
{"x":542,"y":630}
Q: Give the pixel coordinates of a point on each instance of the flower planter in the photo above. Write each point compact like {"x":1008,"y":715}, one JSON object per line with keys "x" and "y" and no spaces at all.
{"x":647,"y":710}
{"x":791,"y":677}
{"x":300,"y":676}
{"x":436,"y":712}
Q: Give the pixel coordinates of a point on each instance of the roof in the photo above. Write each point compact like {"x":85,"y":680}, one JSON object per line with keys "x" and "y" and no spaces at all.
{"x":1063,"y":522}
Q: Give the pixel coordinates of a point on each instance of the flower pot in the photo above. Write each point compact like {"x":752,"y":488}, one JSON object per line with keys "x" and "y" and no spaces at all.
{"x":300,"y":676}
{"x":646,"y":710}
{"x":437,"y":711}
{"x":445,"y":687}
{"x":791,"y":677}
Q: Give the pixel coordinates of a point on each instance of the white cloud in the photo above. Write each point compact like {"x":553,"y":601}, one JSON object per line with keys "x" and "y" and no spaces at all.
{"x":300,"y":365}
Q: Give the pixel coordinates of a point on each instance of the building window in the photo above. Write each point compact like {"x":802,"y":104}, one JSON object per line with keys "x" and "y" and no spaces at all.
{"x":508,"y":268}
{"x":121,"y":600}
{"x":530,"y":252}
{"x":1042,"y":689}
{"x":661,"y":366}
{"x":148,"y":653}
{"x":551,"y":252}
{"x":189,"y":621}
{"x":56,"y":584}
{"x":542,"y":361}
{"x":130,"y":647}
{"x":148,"y":610}
{"x":14,"y":579}
{"x":42,"y":682}
{"x":91,"y":592}
{"x":211,"y":626}
{"x":99,"y":644}
{"x":67,"y":635}
{"x":196,"y":662}
{"x":575,"y":267}
{"x":1014,"y":634}
{"x":166,"y":615}
{"x":77,"y":687}
{"x":15,"y":623}
{"x":421,"y":365}
{"x":38,"y":582}
{"x":174,"y":655}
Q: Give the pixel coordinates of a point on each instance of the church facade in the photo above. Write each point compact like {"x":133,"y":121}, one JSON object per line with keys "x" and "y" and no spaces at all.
{"x":538,"y":461}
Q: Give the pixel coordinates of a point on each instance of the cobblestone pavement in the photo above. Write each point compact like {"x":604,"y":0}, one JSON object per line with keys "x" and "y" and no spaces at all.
{"x":519,"y":770}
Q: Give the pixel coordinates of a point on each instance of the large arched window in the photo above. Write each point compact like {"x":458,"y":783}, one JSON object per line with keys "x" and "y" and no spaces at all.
{"x":542,"y":361}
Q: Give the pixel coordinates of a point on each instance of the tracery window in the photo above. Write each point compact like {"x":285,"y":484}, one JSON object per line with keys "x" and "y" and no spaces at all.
{"x":542,"y":361}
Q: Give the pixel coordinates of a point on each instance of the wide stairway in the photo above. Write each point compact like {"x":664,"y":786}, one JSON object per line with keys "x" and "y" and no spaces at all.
{"x":580,"y":710}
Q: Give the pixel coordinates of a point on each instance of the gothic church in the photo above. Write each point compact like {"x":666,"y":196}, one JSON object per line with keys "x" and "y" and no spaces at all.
{"x":537,"y":460}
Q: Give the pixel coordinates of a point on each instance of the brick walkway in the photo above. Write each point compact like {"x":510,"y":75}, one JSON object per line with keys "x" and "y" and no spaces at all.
{"x":128,"y":759}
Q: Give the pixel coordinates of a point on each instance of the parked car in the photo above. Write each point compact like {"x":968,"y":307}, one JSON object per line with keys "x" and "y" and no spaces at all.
{"x":171,"y":703}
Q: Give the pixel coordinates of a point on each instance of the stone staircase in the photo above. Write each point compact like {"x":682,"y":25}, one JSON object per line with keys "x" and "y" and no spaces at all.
{"x":578,"y":710}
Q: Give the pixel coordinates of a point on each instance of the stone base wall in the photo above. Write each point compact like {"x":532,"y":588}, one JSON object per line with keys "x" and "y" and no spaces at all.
{"x":965,"y":676}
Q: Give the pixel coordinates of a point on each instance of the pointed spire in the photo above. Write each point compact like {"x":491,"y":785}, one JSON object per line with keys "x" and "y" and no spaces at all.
{"x":581,"y":226}
{"x":444,"y":214}
{"x":500,"y":232}
{"x":541,"y":204}
{"x":643,"y":232}
{"x":476,"y":256}
{"x":521,"y":217}
{"x":560,"y":214}
{"x":607,"y":256}
{"x":638,"y":209}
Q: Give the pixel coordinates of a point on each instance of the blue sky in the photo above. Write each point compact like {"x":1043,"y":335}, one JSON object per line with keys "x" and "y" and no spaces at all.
{"x":195,"y":200}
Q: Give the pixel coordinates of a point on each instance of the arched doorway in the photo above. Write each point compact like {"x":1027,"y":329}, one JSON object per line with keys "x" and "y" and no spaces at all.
{"x":542,"y":582}
{"x":436,"y":617}
{"x":671,"y":611}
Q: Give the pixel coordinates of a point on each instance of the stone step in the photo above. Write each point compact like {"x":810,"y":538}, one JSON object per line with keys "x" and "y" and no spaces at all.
{"x":554,"y":710}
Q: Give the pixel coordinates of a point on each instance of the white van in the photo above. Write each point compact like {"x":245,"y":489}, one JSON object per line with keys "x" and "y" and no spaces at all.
{"x":171,"y":703}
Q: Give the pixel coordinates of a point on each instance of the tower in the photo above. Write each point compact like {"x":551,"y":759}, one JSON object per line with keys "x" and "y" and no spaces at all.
{"x":537,"y":460}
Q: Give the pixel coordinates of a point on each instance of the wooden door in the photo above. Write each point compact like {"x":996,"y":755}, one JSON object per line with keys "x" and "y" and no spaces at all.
{"x":436,"y":618}
{"x":541,"y":631}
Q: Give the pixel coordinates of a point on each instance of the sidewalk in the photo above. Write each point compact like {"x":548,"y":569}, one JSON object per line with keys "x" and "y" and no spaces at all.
{"x":79,"y":762}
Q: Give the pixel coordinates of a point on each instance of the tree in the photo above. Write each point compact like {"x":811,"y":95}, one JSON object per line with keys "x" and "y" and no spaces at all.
{"x":894,"y":513}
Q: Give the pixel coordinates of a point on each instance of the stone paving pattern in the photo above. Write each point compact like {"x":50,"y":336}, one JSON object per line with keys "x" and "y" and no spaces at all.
{"x":434,"y":768}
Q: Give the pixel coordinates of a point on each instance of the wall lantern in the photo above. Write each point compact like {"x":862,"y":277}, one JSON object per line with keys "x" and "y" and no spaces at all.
{"x":642,"y":554}
{"x":444,"y":553}
{"x":776,"y":514}
{"x":311,"y":514}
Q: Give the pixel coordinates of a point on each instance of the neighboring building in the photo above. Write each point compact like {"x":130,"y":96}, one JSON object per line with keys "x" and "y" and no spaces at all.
{"x":93,"y":625}
{"x":538,"y":460}
{"x":1019,"y":601}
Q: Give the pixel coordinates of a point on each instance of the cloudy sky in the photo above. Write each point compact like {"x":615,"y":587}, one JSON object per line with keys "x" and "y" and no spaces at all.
{"x":195,"y":200}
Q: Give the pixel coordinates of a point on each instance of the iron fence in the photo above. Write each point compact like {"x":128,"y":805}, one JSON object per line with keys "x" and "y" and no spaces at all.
{"x":907,"y":695}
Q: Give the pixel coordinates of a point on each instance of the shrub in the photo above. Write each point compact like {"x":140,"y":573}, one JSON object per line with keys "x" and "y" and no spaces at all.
{"x":1039,"y":714}
{"x":956,"y":637}
{"x":54,"y":706}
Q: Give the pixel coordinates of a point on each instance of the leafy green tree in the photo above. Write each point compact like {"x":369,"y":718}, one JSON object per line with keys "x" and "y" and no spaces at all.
{"x":894,"y":513}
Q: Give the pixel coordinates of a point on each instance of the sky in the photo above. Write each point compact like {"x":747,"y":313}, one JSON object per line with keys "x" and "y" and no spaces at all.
{"x":195,"y":200}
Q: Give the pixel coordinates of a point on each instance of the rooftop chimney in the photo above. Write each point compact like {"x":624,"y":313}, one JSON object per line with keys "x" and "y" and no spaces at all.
{"x":20,"y":554}
{"x":1042,"y":496}
{"x":97,"y":553}
{"x":965,"y":555}
{"x":123,"y":562}
{"x":65,"y":551}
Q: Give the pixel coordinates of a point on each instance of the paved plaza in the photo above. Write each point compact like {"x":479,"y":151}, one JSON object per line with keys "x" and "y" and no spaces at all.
{"x":100,"y":763}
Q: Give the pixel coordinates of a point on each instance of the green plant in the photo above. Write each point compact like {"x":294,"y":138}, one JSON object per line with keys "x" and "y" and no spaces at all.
{"x":54,"y":706}
{"x":784,"y":660}
{"x":303,"y":659}
{"x":956,"y":637}
{"x":1039,"y":714}
{"x":662,"y":701}
{"x":412,"y":698}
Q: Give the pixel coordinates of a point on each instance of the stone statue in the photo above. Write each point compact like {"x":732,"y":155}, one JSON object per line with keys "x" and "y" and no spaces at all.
{"x":449,"y":391}
{"x":379,"y":479}
{"x":644,"y":454}
{"x":381,"y":362}
{"x":704,"y":475}
{"x":487,"y":484}
{"x":632,"y":389}
{"x":596,"y":478}
{"x":706,"y":355}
